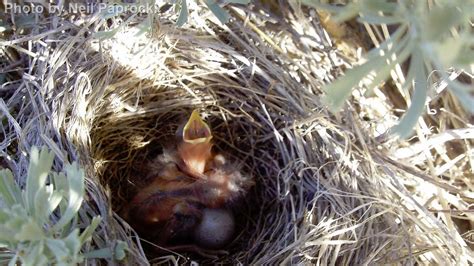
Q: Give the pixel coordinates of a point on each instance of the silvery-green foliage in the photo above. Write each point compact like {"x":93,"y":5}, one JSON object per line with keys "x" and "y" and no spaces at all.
{"x":218,"y":11}
{"x":431,"y":36}
{"x":38,"y":225}
{"x":115,"y":8}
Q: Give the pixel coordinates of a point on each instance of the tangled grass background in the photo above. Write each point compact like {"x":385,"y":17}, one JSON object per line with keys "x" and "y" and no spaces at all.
{"x":331,"y":189}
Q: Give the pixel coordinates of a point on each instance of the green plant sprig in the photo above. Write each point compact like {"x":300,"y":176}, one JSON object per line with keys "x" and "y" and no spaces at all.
{"x":431,"y":37}
{"x":218,"y":11}
{"x":38,"y":225}
{"x":116,"y":8}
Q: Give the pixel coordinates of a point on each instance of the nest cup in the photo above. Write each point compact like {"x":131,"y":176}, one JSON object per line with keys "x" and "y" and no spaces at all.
{"x":126,"y":146}
{"x":265,"y":121}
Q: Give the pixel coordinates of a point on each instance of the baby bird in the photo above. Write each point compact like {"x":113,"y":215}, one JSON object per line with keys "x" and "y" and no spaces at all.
{"x":186,"y":182}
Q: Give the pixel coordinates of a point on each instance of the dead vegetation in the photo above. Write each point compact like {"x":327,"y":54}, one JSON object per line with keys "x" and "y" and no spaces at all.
{"x":331,"y":188}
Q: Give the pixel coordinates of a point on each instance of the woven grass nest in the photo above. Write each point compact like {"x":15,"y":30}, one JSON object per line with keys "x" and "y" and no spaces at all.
{"x":327,"y":192}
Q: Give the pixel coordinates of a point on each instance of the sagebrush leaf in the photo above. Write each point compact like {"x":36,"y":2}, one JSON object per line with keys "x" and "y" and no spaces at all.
{"x":87,"y":233}
{"x":10,"y":193}
{"x":183,"y":14}
{"x":440,"y":19}
{"x":418,"y":100}
{"x":38,"y":170}
{"x":75,"y":195}
{"x":218,"y":11}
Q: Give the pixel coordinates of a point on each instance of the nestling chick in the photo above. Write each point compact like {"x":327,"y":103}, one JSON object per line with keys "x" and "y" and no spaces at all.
{"x":185,"y":185}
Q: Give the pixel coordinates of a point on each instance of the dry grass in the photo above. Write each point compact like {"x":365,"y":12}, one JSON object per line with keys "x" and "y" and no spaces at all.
{"x":331,"y":189}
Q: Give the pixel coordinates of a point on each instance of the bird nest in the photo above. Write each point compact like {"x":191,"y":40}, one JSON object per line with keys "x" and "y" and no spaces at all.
{"x":326,"y":192}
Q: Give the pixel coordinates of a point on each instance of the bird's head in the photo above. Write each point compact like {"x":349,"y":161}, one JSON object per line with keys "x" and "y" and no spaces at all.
{"x":195,"y":144}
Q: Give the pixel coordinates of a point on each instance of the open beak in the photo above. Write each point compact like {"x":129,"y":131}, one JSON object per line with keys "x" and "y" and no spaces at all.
{"x":196,"y":130}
